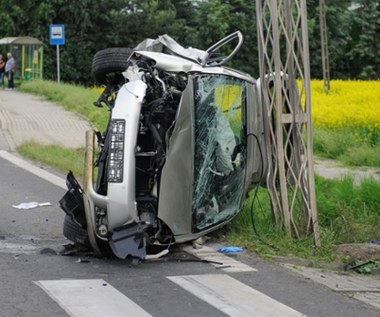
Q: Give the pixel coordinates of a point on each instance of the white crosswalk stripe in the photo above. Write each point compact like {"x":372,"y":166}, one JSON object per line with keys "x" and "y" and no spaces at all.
{"x":91,"y":298}
{"x":233,"y":297}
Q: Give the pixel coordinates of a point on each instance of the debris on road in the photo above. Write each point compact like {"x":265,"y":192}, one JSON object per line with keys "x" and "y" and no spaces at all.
{"x":31,"y":205}
{"x":230,"y":249}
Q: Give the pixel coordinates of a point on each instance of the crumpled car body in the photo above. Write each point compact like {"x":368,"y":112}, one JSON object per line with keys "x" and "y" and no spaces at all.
{"x":185,"y":144}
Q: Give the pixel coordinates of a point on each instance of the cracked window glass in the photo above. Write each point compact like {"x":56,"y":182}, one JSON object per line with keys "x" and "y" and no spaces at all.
{"x":220,"y":149}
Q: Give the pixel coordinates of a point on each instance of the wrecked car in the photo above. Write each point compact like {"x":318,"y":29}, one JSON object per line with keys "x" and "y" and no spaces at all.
{"x":183,"y":147}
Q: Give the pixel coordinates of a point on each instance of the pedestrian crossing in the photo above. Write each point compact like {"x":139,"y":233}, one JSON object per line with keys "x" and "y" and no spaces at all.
{"x":97,"y":298}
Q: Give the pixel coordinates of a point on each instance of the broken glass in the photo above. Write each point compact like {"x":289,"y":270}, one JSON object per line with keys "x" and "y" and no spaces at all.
{"x":220,"y":149}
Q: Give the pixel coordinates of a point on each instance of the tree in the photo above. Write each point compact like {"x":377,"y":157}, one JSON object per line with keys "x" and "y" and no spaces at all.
{"x":363,"y":43}
{"x":337,"y":20}
{"x":90,"y":26}
{"x":187,"y":31}
{"x":141,"y":19}
{"x":243,"y":18}
{"x":212,"y":20}
{"x":14,"y":17}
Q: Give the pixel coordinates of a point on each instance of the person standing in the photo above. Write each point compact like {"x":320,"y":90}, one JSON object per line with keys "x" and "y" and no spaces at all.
{"x":9,"y":69}
{"x":2,"y":70}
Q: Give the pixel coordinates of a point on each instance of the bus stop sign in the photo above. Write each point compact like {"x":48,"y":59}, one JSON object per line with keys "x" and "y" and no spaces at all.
{"x":57,"y":34}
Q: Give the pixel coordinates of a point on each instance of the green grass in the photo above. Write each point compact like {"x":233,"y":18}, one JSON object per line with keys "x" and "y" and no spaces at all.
{"x":63,"y":159}
{"x":353,"y":147}
{"x":347,"y":212}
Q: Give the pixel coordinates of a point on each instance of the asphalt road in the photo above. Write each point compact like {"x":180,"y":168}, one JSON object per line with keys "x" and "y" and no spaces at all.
{"x":36,"y":280}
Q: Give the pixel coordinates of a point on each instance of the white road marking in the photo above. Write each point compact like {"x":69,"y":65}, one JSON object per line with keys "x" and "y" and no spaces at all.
{"x":9,"y":247}
{"x":56,"y":180}
{"x":91,"y":298}
{"x":228,"y":264}
{"x":233,"y":297}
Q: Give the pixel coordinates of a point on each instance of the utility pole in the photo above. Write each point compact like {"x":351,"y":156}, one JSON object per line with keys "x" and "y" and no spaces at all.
{"x":324,"y":46}
{"x":285,"y":91}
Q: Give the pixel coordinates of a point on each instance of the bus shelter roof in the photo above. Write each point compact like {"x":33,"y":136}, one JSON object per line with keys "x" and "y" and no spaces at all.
{"x":22,"y":40}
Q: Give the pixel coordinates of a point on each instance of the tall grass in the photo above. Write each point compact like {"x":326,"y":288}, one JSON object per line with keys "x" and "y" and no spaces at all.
{"x":344,"y":145}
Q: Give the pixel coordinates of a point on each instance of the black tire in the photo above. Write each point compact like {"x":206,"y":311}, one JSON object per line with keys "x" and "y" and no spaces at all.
{"x":75,"y":233}
{"x":109,"y":63}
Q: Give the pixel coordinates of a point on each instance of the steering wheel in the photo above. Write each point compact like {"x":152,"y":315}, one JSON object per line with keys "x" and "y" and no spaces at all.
{"x":220,"y":60}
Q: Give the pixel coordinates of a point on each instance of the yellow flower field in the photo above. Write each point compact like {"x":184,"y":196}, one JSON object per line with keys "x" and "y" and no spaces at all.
{"x":352,"y":104}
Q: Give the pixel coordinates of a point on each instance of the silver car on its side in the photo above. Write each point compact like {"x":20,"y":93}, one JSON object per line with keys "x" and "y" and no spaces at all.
{"x":184,"y":145}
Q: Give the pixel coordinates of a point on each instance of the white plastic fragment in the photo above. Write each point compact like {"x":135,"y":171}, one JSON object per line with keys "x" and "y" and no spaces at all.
{"x":156,"y":256}
{"x":31,"y":205}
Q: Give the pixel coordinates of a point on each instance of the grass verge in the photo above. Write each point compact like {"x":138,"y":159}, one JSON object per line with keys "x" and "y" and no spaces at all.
{"x":348,"y":213}
{"x":349,"y":146}
{"x":63,"y":159}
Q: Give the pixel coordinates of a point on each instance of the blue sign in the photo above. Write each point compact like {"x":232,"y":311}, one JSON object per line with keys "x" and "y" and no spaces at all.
{"x":57,"y":34}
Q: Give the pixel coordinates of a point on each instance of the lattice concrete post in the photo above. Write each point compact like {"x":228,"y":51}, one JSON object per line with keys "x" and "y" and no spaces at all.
{"x":285,"y":91}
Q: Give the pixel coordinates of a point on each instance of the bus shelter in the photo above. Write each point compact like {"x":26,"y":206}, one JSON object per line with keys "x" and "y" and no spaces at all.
{"x":28,"y":53}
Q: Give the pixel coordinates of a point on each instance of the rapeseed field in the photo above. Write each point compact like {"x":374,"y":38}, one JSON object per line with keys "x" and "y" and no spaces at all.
{"x":350,"y":105}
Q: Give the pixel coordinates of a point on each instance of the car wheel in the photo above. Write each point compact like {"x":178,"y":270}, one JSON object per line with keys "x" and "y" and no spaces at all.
{"x":75,"y":233}
{"x":109,"y":63}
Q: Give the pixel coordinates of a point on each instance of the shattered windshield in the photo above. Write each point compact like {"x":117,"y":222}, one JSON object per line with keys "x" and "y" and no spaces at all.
{"x":220,"y":148}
